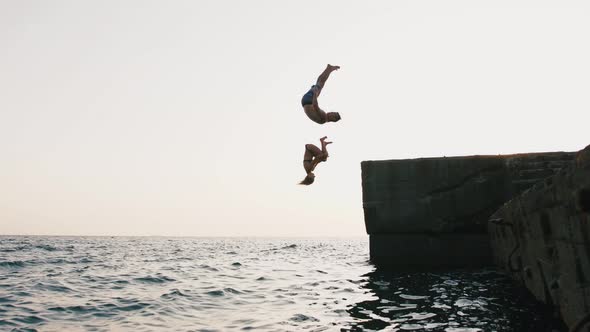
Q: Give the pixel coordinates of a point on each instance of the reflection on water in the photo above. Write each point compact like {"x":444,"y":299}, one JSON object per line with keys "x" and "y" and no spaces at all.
{"x":458,"y":301}
{"x":199,"y":284}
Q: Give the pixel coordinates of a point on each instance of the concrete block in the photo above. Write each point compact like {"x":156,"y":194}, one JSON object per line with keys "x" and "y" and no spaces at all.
{"x":552,"y":235}
{"x":434,"y":250}
{"x":447,"y":194}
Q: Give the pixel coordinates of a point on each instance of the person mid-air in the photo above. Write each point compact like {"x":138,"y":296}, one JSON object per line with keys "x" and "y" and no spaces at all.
{"x":312,"y":157}
{"x":310,"y":99}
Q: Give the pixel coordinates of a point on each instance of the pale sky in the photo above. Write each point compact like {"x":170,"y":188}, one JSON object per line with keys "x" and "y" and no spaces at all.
{"x":184,"y":117}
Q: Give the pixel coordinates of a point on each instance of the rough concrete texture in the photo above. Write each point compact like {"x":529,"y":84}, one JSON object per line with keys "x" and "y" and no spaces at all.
{"x":450,"y":195}
{"x":542,"y":238}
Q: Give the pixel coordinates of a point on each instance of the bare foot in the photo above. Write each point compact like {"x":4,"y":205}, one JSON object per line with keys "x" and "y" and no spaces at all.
{"x":332,"y":68}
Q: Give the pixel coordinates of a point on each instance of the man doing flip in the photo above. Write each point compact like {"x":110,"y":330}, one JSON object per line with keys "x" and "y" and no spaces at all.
{"x":310,"y":99}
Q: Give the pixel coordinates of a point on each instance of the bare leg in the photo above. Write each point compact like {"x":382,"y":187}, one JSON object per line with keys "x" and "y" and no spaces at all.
{"x":324,"y":144}
{"x":311,"y":151}
{"x":324,"y":76}
{"x":309,"y":160}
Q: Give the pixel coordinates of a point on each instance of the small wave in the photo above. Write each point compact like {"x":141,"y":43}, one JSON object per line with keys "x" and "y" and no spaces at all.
{"x":133,"y":307}
{"x":419,"y":315}
{"x":411,"y":327}
{"x":82,"y":269}
{"x":388,"y":309}
{"x":429,"y":326}
{"x":17,"y":248}
{"x":451,"y":282}
{"x":5,"y":300}
{"x":242,"y":322}
{"x":303,"y":318}
{"x":232,"y":290}
{"x":30,"y":319}
{"x":357,"y":282}
{"x":463,"y":303}
{"x":440,"y":306}
{"x":12,"y":264}
{"x":61,"y":261}
{"x":52,"y":288}
{"x":209,"y":268}
{"x":412,"y":297}
{"x":216,"y":293}
{"x":104,"y":314}
{"x":173,"y":293}
{"x":291,"y":246}
{"x":150,"y":279}
{"x":5,"y":322}
{"x":76,"y":309}
{"x":46,"y":247}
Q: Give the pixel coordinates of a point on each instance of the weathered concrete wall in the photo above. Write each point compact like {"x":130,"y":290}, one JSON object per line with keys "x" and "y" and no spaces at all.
{"x":414,"y":209}
{"x":426,"y":251}
{"x":542,"y":238}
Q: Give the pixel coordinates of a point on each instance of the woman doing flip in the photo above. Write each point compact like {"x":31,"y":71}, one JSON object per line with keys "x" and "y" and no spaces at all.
{"x":312,"y":157}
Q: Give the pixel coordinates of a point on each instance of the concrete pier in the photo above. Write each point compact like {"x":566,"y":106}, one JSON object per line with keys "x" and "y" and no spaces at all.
{"x":432,"y":212}
{"x":542,"y":239}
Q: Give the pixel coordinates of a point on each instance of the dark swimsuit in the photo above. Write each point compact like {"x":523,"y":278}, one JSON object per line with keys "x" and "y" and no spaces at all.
{"x":308,"y":97}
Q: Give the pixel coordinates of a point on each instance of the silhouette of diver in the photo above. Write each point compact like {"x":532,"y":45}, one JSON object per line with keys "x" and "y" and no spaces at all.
{"x":312,"y":157}
{"x":310,"y":99}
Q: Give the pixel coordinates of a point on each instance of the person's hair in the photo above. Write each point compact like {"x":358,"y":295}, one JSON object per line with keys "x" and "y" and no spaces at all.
{"x":307,"y":181}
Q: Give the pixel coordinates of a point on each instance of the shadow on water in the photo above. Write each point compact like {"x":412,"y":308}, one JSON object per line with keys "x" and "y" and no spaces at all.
{"x":456,"y":301}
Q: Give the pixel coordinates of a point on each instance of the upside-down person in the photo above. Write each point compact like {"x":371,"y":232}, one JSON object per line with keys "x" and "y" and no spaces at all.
{"x":312,"y":157}
{"x":310,"y":99}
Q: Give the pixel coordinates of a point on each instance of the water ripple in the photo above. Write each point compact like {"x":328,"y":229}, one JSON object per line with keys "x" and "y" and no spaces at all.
{"x":201,"y":284}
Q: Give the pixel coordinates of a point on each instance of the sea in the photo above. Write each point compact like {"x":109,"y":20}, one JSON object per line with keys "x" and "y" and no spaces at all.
{"x":242,"y":284}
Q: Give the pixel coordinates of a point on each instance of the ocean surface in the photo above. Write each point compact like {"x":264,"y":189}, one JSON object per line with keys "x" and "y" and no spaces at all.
{"x":238,"y":284}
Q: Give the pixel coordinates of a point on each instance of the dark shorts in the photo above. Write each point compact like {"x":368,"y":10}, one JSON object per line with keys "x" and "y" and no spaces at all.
{"x":308,"y":97}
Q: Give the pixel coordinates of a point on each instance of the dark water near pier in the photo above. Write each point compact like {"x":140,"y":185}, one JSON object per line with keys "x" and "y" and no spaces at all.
{"x":214,"y":284}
